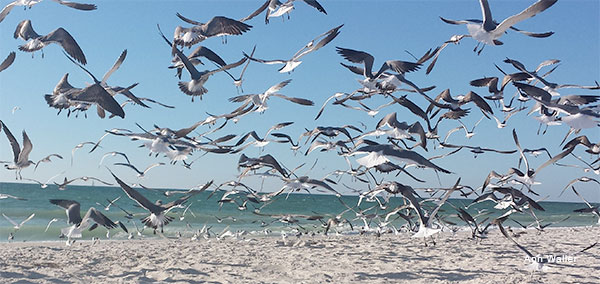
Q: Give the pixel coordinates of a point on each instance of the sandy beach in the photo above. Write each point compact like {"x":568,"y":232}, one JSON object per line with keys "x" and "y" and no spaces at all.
{"x":309,"y":259}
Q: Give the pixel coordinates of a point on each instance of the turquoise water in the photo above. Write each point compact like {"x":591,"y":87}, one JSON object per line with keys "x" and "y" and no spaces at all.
{"x":208,"y":212}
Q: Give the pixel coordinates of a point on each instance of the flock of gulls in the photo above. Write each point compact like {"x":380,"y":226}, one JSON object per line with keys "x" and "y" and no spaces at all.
{"x":403,"y":141}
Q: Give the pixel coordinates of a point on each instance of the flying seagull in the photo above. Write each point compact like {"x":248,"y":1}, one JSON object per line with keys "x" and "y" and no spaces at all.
{"x":97,"y":94}
{"x":291,"y":64}
{"x":20,"y":155}
{"x":36,"y":42}
{"x":379,"y":154}
{"x":217,"y":26}
{"x":140,"y":173}
{"x":276,"y":8}
{"x":260,"y":100}
{"x":79,"y":224}
{"x":195,"y":87}
{"x":30,"y":3}
{"x":16,"y":225}
{"x":47,"y":159}
{"x":157,"y":210}
{"x":487,"y":31}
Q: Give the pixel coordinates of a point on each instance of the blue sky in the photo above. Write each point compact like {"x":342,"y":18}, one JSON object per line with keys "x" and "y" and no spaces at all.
{"x":383,"y":28}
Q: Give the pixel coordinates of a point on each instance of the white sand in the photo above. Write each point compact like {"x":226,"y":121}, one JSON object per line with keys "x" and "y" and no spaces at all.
{"x":335,"y":259}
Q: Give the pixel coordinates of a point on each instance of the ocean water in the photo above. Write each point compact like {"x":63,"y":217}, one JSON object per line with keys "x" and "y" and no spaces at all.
{"x":203,"y":211}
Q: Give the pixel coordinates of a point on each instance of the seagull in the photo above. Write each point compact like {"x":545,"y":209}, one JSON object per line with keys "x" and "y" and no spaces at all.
{"x":63,"y":185}
{"x":262,"y":161}
{"x":592,"y":148}
{"x":549,"y":86}
{"x":528,"y":177}
{"x":6,"y":196}
{"x":37,"y":42}
{"x":19,"y":225}
{"x":590,"y":209}
{"x":537,"y":262}
{"x":79,"y":146}
{"x":8,"y":61}
{"x":97,"y":94}
{"x":195,"y":86}
{"x":194,"y":57}
{"x":79,"y":224}
{"x":487,"y":31}
{"x":110,"y":202}
{"x":114,"y":153}
{"x":45,"y":185}
{"x":260,"y":100}
{"x":21,"y":155}
{"x":157,"y":210}
{"x":454,"y":39}
{"x":117,"y":89}
{"x":291,"y":64}
{"x":141,"y":174}
{"x":30,"y":3}
{"x":306,"y":183}
{"x":378,"y":154}
{"x":238,"y":81}
{"x":217,"y":26}
{"x":426,"y":228}
{"x":276,"y":9}
{"x":356,"y":56}
{"x":468,"y":134}
{"x":62,"y":97}
{"x":50,"y":223}
{"x":47,"y":160}
{"x":477,"y":149}
{"x":370,"y":84}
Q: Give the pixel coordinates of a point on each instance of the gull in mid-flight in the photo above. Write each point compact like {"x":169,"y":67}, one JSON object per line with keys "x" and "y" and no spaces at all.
{"x":79,"y":224}
{"x":157,"y":210}
{"x":217,"y":26}
{"x":36,"y":42}
{"x":21,"y":155}
{"x":487,"y":31}
{"x":291,"y":64}
{"x":30,"y":3}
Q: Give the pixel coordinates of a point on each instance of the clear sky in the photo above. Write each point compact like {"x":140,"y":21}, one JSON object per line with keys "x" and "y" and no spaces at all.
{"x":383,"y":28}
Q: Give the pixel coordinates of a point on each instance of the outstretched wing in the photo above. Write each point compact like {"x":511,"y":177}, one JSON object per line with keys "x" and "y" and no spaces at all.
{"x":116,"y":66}
{"x":13,"y":142}
{"x":78,"y":6}
{"x":62,"y":37}
{"x":136,"y":196}
{"x":8,"y":61}
{"x":99,"y":218}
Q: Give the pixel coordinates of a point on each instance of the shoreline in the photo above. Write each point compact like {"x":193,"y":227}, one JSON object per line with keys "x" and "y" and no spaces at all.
{"x":308,"y":259}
